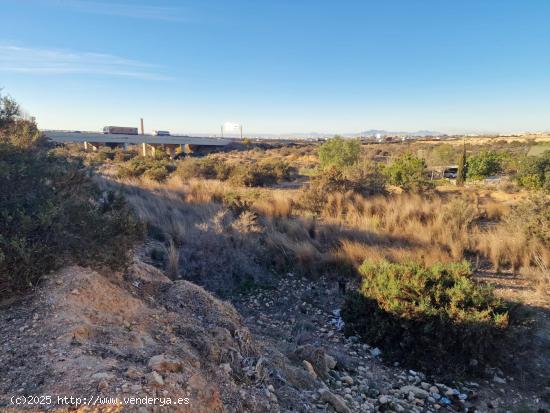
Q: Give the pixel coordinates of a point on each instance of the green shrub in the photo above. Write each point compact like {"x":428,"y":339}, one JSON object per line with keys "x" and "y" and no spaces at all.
{"x":22,"y":133}
{"x":152,"y":168}
{"x":9,"y":111}
{"x":102,"y":155}
{"x":408,"y":172}
{"x":206,"y":168}
{"x":51,"y":212}
{"x":483,"y":165}
{"x":14,"y":130}
{"x":282,"y":171}
{"x":123,"y":155}
{"x":340,"y":152}
{"x":364,"y":179}
{"x":435,"y":318}
{"x":532,"y":217}
{"x":534,"y":172}
{"x":261,"y":174}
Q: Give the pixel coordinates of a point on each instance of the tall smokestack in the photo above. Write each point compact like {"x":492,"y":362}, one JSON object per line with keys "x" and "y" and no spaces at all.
{"x":142,"y":132}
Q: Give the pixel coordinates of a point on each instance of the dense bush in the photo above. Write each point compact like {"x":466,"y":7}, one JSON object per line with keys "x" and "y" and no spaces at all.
{"x":365,"y":179}
{"x":151,"y":168}
{"x":123,"y":155}
{"x":261,"y":174}
{"x":434,"y":318}
{"x":22,"y":133}
{"x":534,"y":172}
{"x":532,"y":218}
{"x":206,"y":168}
{"x":339,"y":152}
{"x":408,"y":172}
{"x":9,"y":111}
{"x":14,"y":130}
{"x":51,"y":211}
{"x":483,"y":165}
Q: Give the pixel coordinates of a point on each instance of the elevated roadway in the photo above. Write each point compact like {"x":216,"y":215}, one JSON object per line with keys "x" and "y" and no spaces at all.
{"x":94,"y":139}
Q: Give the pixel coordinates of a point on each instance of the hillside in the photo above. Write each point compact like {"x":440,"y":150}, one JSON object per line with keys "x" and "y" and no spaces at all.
{"x":86,"y":334}
{"x":335,"y":277}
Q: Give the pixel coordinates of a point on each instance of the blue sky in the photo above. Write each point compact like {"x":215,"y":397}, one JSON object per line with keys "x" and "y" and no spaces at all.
{"x":280,"y":66}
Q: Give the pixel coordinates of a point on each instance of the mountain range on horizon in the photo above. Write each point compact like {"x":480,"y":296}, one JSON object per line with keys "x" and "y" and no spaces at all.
{"x":370,"y":132}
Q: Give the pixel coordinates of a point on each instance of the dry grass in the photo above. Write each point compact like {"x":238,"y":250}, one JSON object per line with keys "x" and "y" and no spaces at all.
{"x":276,"y":207}
{"x":504,"y":249}
{"x":428,"y":223}
{"x":495,"y":211}
{"x":543,"y":279}
{"x":173,"y":259}
{"x":268,"y":228}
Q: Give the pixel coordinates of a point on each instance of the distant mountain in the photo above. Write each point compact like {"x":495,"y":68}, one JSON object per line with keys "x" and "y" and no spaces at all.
{"x":316,"y":135}
{"x":374,"y":132}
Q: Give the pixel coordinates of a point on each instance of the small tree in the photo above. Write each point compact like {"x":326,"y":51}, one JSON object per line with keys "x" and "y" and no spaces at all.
{"x":15,"y":130}
{"x":483,"y":165}
{"x":534,"y":172}
{"x":408,"y":172}
{"x":340,"y":152}
{"x":9,"y":110}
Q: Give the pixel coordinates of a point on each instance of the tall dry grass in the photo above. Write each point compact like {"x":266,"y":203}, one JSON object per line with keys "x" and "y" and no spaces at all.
{"x":173,"y":260}
{"x":271,"y":231}
{"x":278,"y":207}
{"x":431,"y":223}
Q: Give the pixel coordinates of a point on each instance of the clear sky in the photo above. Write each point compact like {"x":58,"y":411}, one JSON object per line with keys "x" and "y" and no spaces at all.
{"x":280,"y":66}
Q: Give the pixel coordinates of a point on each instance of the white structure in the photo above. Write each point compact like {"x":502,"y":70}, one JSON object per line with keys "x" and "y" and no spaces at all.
{"x":232,"y":128}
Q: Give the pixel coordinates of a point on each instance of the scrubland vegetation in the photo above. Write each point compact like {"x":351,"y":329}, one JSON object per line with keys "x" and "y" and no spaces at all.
{"x":51,"y":211}
{"x":412,"y":244}
{"x":434,"y":317}
{"x":409,"y":244}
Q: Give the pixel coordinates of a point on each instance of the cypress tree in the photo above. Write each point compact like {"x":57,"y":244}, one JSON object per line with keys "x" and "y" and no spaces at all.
{"x":461,"y":173}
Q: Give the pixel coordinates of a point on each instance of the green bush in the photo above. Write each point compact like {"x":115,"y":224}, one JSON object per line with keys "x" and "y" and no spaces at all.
{"x":534,"y":172}
{"x":9,"y":111}
{"x":206,"y":168}
{"x":532,"y":217}
{"x":261,"y":174}
{"x":123,"y":155}
{"x":22,"y":133}
{"x":483,"y":165}
{"x":14,"y":130}
{"x":52,"y":212}
{"x":339,"y":152}
{"x":408,"y":172}
{"x":435,"y":318}
{"x":364,"y":179}
{"x":152,"y":168}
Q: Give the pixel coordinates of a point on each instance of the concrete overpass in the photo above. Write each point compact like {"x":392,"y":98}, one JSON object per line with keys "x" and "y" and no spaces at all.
{"x":92,"y":140}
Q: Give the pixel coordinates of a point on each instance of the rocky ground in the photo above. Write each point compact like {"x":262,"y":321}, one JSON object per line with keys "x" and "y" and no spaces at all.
{"x":301,"y":316}
{"x":107,"y":337}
